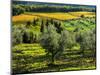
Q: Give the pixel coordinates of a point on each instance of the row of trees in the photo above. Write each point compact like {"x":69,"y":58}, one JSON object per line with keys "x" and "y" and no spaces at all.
{"x":44,"y":23}
{"x":29,"y":35}
{"x":55,"y":23}
{"x":16,"y":10}
{"x":20,"y":8}
{"x":24,"y":35}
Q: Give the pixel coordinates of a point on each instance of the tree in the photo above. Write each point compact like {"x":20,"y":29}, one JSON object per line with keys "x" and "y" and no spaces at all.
{"x":82,"y":39}
{"x":26,"y":36}
{"x":34,"y":22}
{"x":30,"y":36}
{"x":42,"y":26}
{"x":87,"y":41}
{"x":67,"y":40}
{"x":47,"y":22}
{"x":16,"y":33}
{"x":28,"y":23}
{"x":50,"y":41}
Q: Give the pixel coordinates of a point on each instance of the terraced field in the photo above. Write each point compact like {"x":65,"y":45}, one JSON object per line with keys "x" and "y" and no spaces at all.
{"x":38,"y":60}
{"x":82,"y":24}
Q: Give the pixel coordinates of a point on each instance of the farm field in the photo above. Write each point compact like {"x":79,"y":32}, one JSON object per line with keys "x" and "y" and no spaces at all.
{"x":59,"y":16}
{"x":23,"y":17}
{"x":52,"y":37}
{"x":81,"y":24}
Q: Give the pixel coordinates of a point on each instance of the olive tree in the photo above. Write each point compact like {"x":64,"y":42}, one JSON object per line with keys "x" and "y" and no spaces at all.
{"x":87,"y":41}
{"x":50,"y":41}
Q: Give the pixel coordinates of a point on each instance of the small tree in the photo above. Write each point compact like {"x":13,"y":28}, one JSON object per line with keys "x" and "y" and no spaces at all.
{"x":28,"y":23}
{"x":34,"y":22}
{"x":42,"y":26}
{"x":47,"y":22}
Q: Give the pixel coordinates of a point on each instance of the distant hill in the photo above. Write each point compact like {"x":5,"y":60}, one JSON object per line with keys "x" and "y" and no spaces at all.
{"x":51,"y":4}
